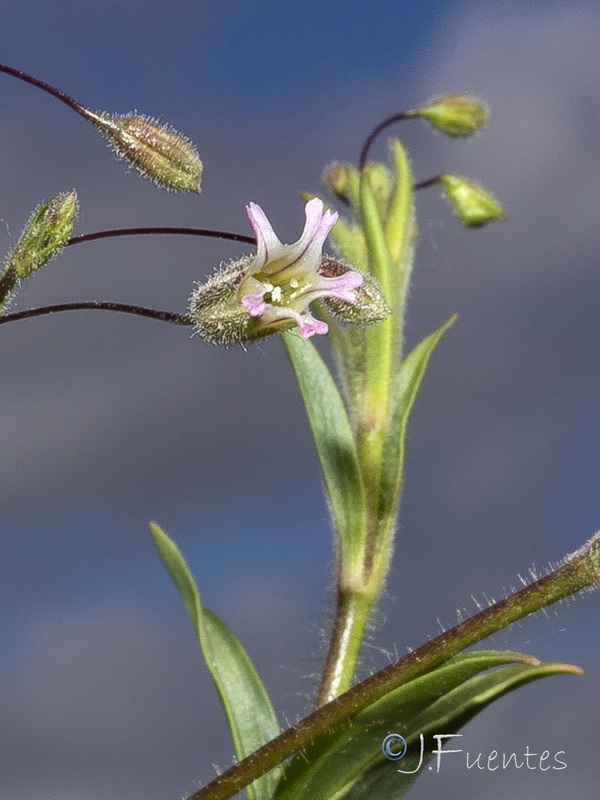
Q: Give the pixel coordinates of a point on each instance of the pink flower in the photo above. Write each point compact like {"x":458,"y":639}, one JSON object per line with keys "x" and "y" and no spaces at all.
{"x":271,"y":292}
{"x":282,"y":280}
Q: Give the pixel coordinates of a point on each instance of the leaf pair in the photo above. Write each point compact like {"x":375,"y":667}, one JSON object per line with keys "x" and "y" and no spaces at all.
{"x":349,"y":763}
{"x":346,"y":762}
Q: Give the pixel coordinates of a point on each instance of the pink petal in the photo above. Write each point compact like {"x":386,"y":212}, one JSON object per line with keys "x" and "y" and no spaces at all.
{"x":267,"y":241}
{"x":311,"y":326}
{"x":255,"y":304}
{"x":317,"y":226}
{"x":343,"y":286}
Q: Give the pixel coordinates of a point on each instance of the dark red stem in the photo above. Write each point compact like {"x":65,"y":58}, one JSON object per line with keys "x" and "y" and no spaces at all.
{"x":100,"y":305}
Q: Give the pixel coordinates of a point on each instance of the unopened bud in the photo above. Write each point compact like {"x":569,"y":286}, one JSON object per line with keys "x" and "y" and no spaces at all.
{"x":455,"y":114}
{"x":471,"y":202}
{"x":218,"y":317}
{"x":344,"y":182}
{"x":44,"y":236}
{"x":154,"y":148}
{"x":370,"y":305}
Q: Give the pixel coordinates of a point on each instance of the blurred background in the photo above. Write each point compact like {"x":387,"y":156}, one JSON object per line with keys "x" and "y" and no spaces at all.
{"x":108,"y":421}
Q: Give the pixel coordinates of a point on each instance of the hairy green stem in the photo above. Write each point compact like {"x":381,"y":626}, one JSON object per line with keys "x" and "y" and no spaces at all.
{"x":388,"y":239}
{"x":581,"y":570}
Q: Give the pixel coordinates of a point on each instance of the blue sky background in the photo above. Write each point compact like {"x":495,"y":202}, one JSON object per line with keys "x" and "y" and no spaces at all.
{"x":108,"y":421}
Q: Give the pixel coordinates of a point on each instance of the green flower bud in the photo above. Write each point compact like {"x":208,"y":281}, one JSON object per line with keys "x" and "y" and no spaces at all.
{"x":455,"y":114}
{"x":471,"y":202}
{"x":155,"y":149}
{"x":42,"y":239}
{"x":44,"y":236}
{"x":370,"y":305}
{"x":218,"y":317}
{"x":344,"y":182}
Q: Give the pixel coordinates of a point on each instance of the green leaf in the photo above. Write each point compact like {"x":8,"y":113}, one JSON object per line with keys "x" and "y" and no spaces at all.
{"x":247,"y":706}
{"x":448,"y":715}
{"x":349,"y":242}
{"x":335,"y":445}
{"x":399,"y":227}
{"x":347,"y":763}
{"x":380,"y":258}
{"x":407,"y":383}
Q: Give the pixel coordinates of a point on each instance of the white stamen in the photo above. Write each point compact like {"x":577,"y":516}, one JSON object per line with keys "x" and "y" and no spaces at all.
{"x":276,"y":294}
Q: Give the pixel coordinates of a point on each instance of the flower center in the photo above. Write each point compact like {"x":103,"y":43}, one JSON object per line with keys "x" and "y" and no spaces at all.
{"x":282,"y":294}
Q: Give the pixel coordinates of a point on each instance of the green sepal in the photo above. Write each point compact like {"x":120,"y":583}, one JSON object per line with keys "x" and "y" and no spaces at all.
{"x":347,"y":763}
{"x":247,"y":706}
{"x":335,"y":445}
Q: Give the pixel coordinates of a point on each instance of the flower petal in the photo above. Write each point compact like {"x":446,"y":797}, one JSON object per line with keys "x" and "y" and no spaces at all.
{"x":311,"y":326}
{"x":317,"y":227}
{"x":267,"y":241}
{"x":255,"y":304}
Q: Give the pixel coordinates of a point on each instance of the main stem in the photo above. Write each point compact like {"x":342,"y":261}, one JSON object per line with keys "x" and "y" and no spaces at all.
{"x":580,"y":571}
{"x":351,"y":615}
{"x":387,"y":251}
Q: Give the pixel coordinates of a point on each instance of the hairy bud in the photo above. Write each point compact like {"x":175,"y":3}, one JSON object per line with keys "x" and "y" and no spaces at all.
{"x":472,"y":203}
{"x":154,"y":148}
{"x":370,"y":305}
{"x":42,"y":239}
{"x":218,"y":317}
{"x":455,"y":114}
{"x":344,"y":182}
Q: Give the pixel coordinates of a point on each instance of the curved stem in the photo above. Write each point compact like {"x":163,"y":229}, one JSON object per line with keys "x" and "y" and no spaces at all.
{"x":109,"y":234}
{"x":428,"y":182}
{"x":45,"y":87}
{"x":100,"y":305}
{"x":581,"y":570}
{"x":377,"y":130}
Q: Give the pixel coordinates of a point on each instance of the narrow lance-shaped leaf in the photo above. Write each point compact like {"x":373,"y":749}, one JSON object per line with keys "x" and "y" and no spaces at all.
{"x":406,"y":387}
{"x":400,"y":223}
{"x":448,"y":715}
{"x":247,"y":706}
{"x":335,"y":444}
{"x":350,"y":764}
{"x":381,"y":353}
{"x":336,"y":759}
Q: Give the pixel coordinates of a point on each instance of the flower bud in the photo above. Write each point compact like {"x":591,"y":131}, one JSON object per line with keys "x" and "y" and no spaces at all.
{"x":218,"y":317}
{"x":344,"y":182}
{"x":370,"y":305}
{"x":471,"y":202}
{"x":44,"y":236}
{"x":455,"y":114}
{"x":155,"y":149}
